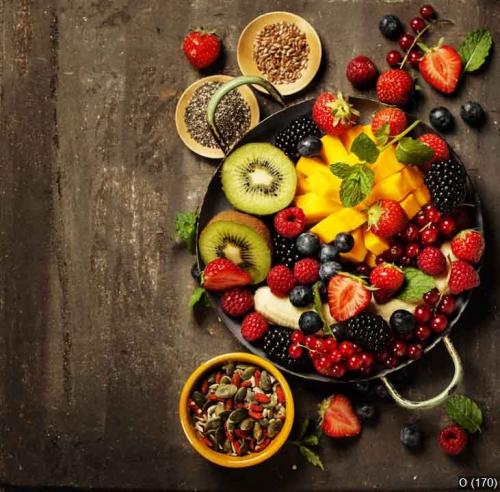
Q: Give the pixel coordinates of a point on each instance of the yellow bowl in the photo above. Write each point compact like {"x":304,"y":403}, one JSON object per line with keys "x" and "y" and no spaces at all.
{"x":221,"y":458}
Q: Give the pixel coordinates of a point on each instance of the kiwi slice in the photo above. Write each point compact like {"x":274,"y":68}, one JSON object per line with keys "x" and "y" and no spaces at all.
{"x":259,"y":178}
{"x":239,"y":243}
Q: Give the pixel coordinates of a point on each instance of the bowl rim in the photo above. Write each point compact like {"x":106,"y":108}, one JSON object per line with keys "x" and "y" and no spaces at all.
{"x":220,"y":458}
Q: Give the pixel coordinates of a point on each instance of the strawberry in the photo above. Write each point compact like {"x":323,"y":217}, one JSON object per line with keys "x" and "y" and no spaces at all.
{"x":394,"y":117}
{"x":431,"y":261}
{"x":386,"y":218}
{"x":388,"y":279}
{"x":333,"y":114}
{"x":201,"y":48}
{"x":338,"y":418}
{"x":441,"y":67}
{"x":438,"y":145}
{"x":395,"y":87}
{"x":347,"y":296}
{"x":462,"y":277}
{"x":468,"y":245}
{"x":222,"y":274}
{"x":361,"y":71}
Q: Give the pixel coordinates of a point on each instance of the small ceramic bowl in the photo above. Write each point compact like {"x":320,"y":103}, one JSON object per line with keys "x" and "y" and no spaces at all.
{"x":221,"y":458}
{"x":247,"y":63}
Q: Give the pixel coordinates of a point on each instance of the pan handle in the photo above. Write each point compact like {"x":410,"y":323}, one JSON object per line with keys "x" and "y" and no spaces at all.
{"x":228,"y":87}
{"x":439,"y":398}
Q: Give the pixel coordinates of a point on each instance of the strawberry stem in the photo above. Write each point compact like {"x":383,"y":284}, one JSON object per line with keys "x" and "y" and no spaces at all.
{"x":397,"y":138}
{"x":417,"y":37}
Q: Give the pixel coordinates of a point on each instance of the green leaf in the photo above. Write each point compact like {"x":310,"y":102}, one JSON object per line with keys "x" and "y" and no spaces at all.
{"x":411,"y":151}
{"x":364,"y":147}
{"x":198,"y":294}
{"x":311,"y":440}
{"x":304,"y":428}
{"x":185,"y":226}
{"x":318,"y":307}
{"x":465,"y":412}
{"x":417,"y":283}
{"x":311,"y":457}
{"x":382,"y":134}
{"x":357,"y":186}
{"x":475,"y":49}
{"x":366,"y":178}
{"x":341,"y":170}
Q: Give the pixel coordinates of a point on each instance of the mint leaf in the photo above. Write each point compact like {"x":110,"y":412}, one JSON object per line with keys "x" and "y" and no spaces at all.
{"x":198,"y":294}
{"x":475,"y":49}
{"x":311,"y":457}
{"x":417,"y":283}
{"x":382,"y":134}
{"x":304,"y":428}
{"x":311,"y":440}
{"x":366,"y":178}
{"x":318,"y":307}
{"x":341,"y":169}
{"x":356,"y":187}
{"x":411,"y":151}
{"x":185,"y":226}
{"x":364,"y":147}
{"x":465,"y":412}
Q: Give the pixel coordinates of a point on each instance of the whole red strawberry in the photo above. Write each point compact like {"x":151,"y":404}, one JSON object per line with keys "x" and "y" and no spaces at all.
{"x":253,"y":327}
{"x":441,"y":67}
{"x":306,"y":271}
{"x":453,"y":439}
{"x":438,"y":145}
{"x":386,"y":218}
{"x":394,"y":117}
{"x":222,"y":274}
{"x":395,"y":87}
{"x":281,"y":280}
{"x":462,"y":277}
{"x":333,"y":114}
{"x":338,"y":418}
{"x":237,"y":302}
{"x":388,"y":279}
{"x":290,"y":222}
{"x":201,"y":48}
{"x":361,"y":71}
{"x":431,"y":261}
{"x":468,"y":245}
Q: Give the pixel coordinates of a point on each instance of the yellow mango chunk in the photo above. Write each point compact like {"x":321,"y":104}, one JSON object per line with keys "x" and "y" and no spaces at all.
{"x":370,"y":260}
{"x":333,"y":150}
{"x":349,"y":136}
{"x":422,"y":195}
{"x":368,"y":130}
{"x":413,"y":176}
{"x":310,"y":165}
{"x":325,"y":185}
{"x":302,"y":185}
{"x":358,"y":252}
{"x":315,"y":207}
{"x":386,"y":164}
{"x":394,"y":187}
{"x":375,"y":244}
{"x":352,"y":218}
{"x":410,"y":205}
{"x":329,"y":227}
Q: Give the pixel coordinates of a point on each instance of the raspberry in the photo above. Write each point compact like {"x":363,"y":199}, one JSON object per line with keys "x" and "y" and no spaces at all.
{"x":237,"y":302}
{"x":432,"y":261}
{"x":462,"y":277}
{"x":254,"y":326}
{"x":290,"y":222}
{"x":361,"y":71}
{"x":438,"y":145}
{"x":306,"y":271}
{"x":453,"y":439}
{"x":281,"y":280}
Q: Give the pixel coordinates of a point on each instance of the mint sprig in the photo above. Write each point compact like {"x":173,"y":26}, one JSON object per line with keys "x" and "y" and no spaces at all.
{"x":475,"y":49}
{"x":364,"y":147}
{"x":382,"y":134}
{"x":416,"y":284}
{"x":357,"y":182}
{"x":413,"y":152}
{"x":199,"y":294}
{"x":465,"y":412}
{"x":185,"y":227}
{"x":309,"y":437}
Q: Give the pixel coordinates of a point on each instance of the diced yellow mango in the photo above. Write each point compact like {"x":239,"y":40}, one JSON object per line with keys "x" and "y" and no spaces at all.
{"x":315,"y":207}
{"x":375,"y":244}
{"x":325,"y":184}
{"x":394,"y":187}
{"x":358,"y":252}
{"x":302,"y":185}
{"x":410,"y":205}
{"x":352,"y":218}
{"x":371,"y":260}
{"x":386,"y":164}
{"x":329,"y":227}
{"x":349,"y":136}
{"x":422,"y":195}
{"x":333,"y":150}
{"x":368,"y":130}
{"x":310,"y":165}
{"x":413,"y":176}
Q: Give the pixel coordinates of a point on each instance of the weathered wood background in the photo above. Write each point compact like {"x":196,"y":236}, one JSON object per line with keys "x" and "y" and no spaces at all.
{"x":95,"y":336}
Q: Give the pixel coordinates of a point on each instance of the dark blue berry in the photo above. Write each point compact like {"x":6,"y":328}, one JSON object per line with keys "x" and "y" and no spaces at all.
{"x":195,"y":271}
{"x":301,"y":295}
{"x":363,"y":387}
{"x":308,"y":244}
{"x":472,"y":113}
{"x":390,"y":26}
{"x":344,"y":242}
{"x":339,"y":331}
{"x":366,"y":412}
{"x":328,"y":252}
{"x":381,"y":392}
{"x":402,"y":321}
{"x":309,"y":146}
{"x":323,"y":291}
{"x":441,"y":119}
{"x":310,"y":322}
{"x":410,"y":436}
{"x":329,"y":269}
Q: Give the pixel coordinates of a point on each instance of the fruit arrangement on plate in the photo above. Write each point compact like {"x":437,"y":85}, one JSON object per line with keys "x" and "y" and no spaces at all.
{"x":340,"y":238}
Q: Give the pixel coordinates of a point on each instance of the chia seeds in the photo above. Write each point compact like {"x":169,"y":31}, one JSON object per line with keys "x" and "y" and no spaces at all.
{"x":232,"y":116}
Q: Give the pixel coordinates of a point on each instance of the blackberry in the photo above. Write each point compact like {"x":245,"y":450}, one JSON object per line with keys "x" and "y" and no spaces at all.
{"x":276,"y":341}
{"x":369,"y":330}
{"x":288,"y":139}
{"x":446,"y":181}
{"x":285,"y":251}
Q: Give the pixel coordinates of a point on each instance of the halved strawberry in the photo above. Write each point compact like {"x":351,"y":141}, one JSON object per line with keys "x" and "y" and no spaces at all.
{"x":441,"y":67}
{"x":338,"y":418}
{"x":222,"y":274}
{"x":347,"y":296}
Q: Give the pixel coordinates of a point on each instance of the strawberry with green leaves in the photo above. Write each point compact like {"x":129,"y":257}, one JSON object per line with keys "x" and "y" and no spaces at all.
{"x":388,"y":279}
{"x":386,"y":218}
{"x":333,"y":114}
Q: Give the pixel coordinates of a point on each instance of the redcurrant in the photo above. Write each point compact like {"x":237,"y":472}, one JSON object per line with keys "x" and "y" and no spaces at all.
{"x":295,"y":351}
{"x":406,"y":40}
{"x":338,"y":370}
{"x":297,"y":336}
{"x":394,"y":58}
{"x":439,"y":323}
{"x":422,"y":332}
{"x":399,"y":348}
{"x":447,"y":305}
{"x":422,"y":313}
{"x":431,"y":297}
{"x":346,"y":349}
{"x":447,"y":225}
{"x":415,"y":351}
{"x":417,"y":24}
{"x":427,"y":11}
{"x":429,"y":235}
{"x":354,"y":362}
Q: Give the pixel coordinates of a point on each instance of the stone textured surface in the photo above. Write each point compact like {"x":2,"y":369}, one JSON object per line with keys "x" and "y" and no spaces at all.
{"x":95,"y":336}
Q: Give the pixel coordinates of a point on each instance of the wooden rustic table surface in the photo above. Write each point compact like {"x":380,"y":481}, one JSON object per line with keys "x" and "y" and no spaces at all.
{"x":95,"y":336}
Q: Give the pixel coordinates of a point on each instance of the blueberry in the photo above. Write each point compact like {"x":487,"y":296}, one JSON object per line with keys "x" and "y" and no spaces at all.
{"x":363,"y":387}
{"x":301,"y":295}
{"x":328,"y":252}
{"x":410,"y":436}
{"x":308,"y":244}
{"x":309,"y":146}
{"x":329,"y":269}
{"x":441,"y":119}
{"x":195,"y":271}
{"x":310,"y":322}
{"x":366,"y":412}
{"x":381,"y":392}
{"x":472,"y":113}
{"x":344,"y":242}
{"x":402,"y":321}
{"x":323,"y":291}
{"x":339,"y":331}
{"x":390,"y":26}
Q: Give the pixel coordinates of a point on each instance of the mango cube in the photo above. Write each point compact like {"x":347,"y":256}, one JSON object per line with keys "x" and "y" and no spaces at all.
{"x":394,"y":187}
{"x":324,"y":184}
{"x":352,"y":218}
{"x":386,"y":164}
{"x":302,"y":185}
{"x":349,"y":136}
{"x":358,"y":252}
{"x":413,"y":176}
{"x":333,"y":150}
{"x":375,"y":244}
{"x":410,"y":205}
{"x":315,"y":207}
{"x":310,"y":165}
{"x":371,"y":260}
{"x":422,"y":195}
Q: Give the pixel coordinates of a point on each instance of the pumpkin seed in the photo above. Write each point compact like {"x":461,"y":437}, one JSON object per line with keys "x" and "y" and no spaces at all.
{"x":229,"y":368}
{"x":224,"y":415}
{"x":247,"y":424}
{"x":226,"y":391}
{"x":274,"y":427}
{"x":238,"y":415}
{"x":257,"y":431}
{"x":226,"y":447}
{"x":214,"y":441}
{"x":265,"y":381}
{"x":212,"y":424}
{"x":220,"y":436}
{"x":225,"y":380}
{"x":273,"y":402}
{"x":219,"y":408}
{"x":211,"y":379}
{"x":241,"y":367}
{"x":244,"y":447}
{"x":198,"y":398}
{"x":264,"y":422}
{"x":230,"y":425}
{"x":240,"y":394}
{"x":247,"y":373}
